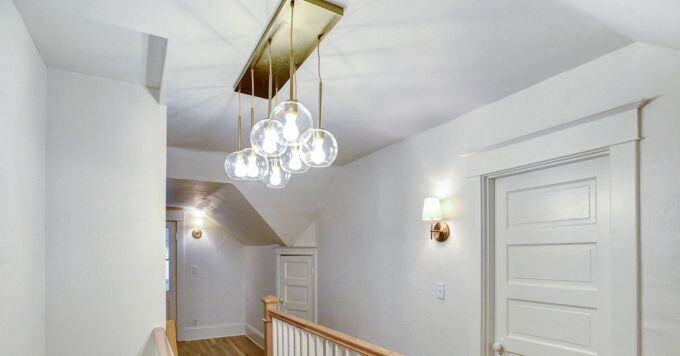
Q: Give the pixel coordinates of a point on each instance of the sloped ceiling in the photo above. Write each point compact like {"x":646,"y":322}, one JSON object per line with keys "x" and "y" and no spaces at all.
{"x":78,"y":44}
{"x":392,"y":68}
{"x":288,"y":211}
{"x":225,"y":205}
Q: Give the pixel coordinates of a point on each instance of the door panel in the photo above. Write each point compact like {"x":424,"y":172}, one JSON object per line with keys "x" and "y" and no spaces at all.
{"x":551,"y":253}
{"x":296,"y":281}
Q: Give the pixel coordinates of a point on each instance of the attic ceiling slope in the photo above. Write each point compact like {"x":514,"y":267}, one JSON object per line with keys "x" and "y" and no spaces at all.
{"x":224,"y":204}
{"x":415,"y":66}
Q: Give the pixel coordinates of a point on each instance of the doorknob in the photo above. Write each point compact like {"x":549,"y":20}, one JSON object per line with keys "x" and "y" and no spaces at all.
{"x":498,"y":348}
{"x":281,"y":300}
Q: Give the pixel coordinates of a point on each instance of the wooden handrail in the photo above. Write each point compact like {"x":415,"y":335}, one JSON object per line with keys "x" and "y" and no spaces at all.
{"x":171,"y":332}
{"x":349,"y":342}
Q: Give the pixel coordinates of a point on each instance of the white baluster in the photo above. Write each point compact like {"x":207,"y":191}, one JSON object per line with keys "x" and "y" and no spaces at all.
{"x":319,"y":346}
{"x":275,"y":334}
{"x":303,"y":343}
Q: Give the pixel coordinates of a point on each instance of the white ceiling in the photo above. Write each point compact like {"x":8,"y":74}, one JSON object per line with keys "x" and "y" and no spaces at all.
{"x":392,"y":68}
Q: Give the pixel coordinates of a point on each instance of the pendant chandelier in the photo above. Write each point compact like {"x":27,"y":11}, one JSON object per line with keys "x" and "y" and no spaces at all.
{"x":285,"y":141}
{"x":320,"y":148}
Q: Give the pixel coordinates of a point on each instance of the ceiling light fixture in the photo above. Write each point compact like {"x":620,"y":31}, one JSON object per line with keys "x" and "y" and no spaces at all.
{"x":256,"y":165}
{"x":276,"y":176}
{"x":294,"y":116}
{"x":285,"y":141}
{"x":266,"y":138}
{"x":235,"y":164}
{"x":319,"y":148}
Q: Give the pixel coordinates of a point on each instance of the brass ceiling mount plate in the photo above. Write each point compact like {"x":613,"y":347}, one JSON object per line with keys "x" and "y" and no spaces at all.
{"x":313,"y":18}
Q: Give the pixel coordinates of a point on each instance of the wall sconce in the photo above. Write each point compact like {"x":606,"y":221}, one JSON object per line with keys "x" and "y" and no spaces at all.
{"x":197,"y":230}
{"x":432,"y":212}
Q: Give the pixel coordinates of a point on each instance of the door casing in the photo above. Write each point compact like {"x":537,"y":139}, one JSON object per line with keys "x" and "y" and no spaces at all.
{"x":299,"y":251}
{"x":614,"y":133}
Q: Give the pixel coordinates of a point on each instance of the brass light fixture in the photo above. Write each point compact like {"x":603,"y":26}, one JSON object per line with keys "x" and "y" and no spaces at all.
{"x":432,"y":212}
{"x":286,"y":140}
{"x":198,"y":221}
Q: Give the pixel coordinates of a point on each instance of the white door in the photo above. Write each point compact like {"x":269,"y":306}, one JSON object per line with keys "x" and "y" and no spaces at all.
{"x":297,"y":292}
{"x":552,"y":261}
{"x":170,"y":270}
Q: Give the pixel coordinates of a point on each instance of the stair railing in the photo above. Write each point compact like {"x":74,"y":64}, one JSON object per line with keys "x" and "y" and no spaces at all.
{"x":287,"y":335}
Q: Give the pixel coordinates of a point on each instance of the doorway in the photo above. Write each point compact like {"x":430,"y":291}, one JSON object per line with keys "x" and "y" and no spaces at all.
{"x":171,"y":270}
{"x":554,"y":240}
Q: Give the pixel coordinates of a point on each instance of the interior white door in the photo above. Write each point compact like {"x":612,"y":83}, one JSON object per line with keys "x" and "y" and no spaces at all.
{"x":552,"y":261}
{"x":297,"y":291}
{"x":171,"y":270}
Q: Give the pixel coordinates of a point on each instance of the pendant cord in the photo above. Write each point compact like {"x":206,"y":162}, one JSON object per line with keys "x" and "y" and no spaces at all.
{"x":269,"y":99}
{"x":291,"y":64}
{"x":318,"y":67}
{"x":252,"y":98}
{"x":239,"y":118}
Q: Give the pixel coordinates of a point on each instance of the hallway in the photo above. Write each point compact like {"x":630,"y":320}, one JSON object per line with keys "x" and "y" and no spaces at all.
{"x":226,"y":346}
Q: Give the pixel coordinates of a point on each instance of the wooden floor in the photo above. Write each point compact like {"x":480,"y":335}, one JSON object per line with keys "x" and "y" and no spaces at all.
{"x":226,"y":346}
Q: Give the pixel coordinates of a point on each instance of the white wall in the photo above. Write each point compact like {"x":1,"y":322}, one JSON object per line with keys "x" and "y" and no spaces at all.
{"x":260,"y":281}
{"x":105,"y":212}
{"x":23,"y":85}
{"x":377,"y":267}
{"x":212,"y":296}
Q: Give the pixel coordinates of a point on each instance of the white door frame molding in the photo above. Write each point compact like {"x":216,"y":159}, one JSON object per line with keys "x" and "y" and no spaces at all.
{"x":614,"y":133}
{"x":177,"y":215}
{"x":298,"y":251}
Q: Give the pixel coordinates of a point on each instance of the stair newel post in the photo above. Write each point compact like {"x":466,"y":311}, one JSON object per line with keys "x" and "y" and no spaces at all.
{"x":270,"y":303}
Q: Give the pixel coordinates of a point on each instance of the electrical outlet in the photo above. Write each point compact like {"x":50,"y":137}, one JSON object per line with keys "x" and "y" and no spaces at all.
{"x":440,"y":291}
{"x":194,"y":270}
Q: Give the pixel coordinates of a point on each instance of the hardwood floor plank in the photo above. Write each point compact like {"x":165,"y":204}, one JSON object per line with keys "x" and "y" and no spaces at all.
{"x":226,"y":346}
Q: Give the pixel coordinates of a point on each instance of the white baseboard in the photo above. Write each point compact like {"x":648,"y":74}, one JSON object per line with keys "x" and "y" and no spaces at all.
{"x":212,"y":331}
{"x":255,"y":336}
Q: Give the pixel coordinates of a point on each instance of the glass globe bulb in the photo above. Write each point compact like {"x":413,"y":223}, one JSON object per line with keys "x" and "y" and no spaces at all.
{"x":295,"y":118}
{"x":253,"y":167}
{"x":235,"y":165}
{"x":276,"y":177}
{"x":292,"y":162}
{"x":319,"y":148}
{"x":266,"y":138}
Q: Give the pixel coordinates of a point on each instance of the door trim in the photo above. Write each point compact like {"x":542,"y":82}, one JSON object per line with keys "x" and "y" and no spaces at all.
{"x":299,"y":251}
{"x":177,"y":215}
{"x":614,"y":133}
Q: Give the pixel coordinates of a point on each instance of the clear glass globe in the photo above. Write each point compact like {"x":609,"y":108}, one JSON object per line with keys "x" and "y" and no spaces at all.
{"x":235,"y":165}
{"x":319,"y":148}
{"x":295,"y":118}
{"x":266,"y":138}
{"x":255,"y":166}
{"x":276,"y":177}
{"x":292,"y":162}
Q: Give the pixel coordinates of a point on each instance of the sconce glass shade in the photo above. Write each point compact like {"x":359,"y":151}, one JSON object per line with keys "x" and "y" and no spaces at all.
{"x":320,"y":148}
{"x":276,"y":177}
{"x":432,"y":209}
{"x":295,"y":118}
{"x":235,"y":165}
{"x":266,"y":138}
{"x":255,"y":165}
{"x":292,"y":161}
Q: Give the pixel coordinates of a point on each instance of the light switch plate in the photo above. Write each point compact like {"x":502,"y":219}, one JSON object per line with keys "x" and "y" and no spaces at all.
{"x":440,"y":291}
